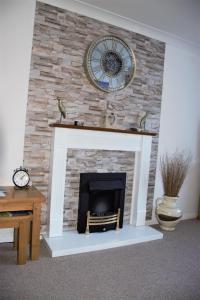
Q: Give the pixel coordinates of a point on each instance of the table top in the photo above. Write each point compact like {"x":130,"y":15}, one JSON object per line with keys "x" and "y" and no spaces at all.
{"x":13,"y":194}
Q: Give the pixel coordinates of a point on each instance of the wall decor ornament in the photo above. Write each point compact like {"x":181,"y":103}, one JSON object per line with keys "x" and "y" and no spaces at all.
{"x":143,"y":120}
{"x":110,"y":63}
{"x":61,"y":109}
{"x":110,"y":120}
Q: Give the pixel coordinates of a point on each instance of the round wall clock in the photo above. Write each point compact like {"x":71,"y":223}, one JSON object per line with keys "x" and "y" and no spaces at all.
{"x":110,"y":63}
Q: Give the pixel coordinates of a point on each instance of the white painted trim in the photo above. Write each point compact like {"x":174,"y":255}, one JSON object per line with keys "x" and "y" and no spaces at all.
{"x":135,"y":189}
{"x":153,"y":221}
{"x":57,"y":191}
{"x":143,"y":173}
{"x":106,"y":16}
{"x":91,"y":139}
{"x":65,"y":138}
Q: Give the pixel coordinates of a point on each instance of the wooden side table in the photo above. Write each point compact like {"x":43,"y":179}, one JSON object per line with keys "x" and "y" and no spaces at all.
{"x":21,"y":224}
{"x":25,"y":199}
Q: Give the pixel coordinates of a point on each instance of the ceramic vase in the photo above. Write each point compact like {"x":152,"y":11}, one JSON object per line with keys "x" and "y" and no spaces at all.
{"x":167,"y":212}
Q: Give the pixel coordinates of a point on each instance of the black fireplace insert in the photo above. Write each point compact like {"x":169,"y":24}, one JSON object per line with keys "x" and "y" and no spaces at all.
{"x":101,"y":201}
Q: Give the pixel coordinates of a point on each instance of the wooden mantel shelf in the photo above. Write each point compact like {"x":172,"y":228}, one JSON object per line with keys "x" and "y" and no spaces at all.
{"x":128,"y":131}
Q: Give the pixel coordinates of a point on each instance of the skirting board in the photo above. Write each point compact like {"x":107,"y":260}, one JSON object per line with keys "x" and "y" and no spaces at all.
{"x":73,"y":243}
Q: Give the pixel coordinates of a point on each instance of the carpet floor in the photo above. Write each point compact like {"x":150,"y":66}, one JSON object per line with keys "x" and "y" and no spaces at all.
{"x":164,"y":269}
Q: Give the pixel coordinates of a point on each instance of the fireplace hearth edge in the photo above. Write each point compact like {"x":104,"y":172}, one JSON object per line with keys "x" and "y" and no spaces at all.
{"x":73,"y":243}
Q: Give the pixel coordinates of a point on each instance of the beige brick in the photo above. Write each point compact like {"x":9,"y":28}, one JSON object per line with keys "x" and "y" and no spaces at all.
{"x":60,"y":40}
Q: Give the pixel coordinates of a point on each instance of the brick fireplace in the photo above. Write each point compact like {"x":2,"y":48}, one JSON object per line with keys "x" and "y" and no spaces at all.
{"x":60,"y":40}
{"x":68,"y":136}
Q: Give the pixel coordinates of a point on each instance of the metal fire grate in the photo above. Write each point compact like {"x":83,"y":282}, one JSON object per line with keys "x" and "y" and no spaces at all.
{"x":102,"y":220}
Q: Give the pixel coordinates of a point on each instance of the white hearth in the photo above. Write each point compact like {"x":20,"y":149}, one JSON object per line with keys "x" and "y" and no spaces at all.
{"x":73,"y":243}
{"x":69,"y":242}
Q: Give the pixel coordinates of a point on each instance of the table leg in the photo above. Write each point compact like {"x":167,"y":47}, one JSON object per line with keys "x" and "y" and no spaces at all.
{"x":22,"y":243}
{"x":15,"y":239}
{"x":35,"y":235}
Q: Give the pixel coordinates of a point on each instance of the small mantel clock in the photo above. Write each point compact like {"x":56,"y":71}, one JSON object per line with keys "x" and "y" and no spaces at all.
{"x":21,"y":178}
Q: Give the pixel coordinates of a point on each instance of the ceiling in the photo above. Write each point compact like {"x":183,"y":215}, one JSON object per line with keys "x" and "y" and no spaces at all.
{"x":177,"y":17}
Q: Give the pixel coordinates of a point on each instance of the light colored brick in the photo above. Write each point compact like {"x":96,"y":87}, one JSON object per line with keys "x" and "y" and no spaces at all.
{"x":60,"y":40}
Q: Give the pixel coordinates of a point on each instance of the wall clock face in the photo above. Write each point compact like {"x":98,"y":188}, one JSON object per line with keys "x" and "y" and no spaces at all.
{"x":110,"y":63}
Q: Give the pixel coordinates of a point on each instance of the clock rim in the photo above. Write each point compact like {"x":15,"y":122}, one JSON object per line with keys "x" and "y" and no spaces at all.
{"x":87,"y":65}
{"x":15,"y":172}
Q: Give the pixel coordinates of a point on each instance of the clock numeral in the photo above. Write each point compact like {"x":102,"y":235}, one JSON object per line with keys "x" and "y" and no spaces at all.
{"x":121,"y":50}
{"x":98,"y":50}
{"x":126,"y":67}
{"x":101,"y":77}
{"x":95,"y":59}
{"x":124,"y":72}
{"x":105,"y":45}
{"x":114,"y":45}
{"x":118,"y":82}
{"x":128,"y":62}
{"x":125,"y":57}
{"x":120,"y":79}
{"x":110,"y":82}
{"x":96,"y":69}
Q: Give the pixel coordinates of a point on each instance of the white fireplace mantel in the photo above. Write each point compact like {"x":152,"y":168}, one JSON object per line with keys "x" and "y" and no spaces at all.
{"x":68,"y":136}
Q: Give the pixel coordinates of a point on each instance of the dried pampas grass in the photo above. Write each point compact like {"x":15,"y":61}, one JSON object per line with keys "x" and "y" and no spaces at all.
{"x":174,"y":169}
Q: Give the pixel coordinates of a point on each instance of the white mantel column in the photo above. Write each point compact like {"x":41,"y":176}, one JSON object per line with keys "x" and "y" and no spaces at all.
{"x":140,"y":182}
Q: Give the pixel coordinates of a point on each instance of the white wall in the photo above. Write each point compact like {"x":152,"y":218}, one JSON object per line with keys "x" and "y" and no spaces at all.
{"x":16,"y":30}
{"x":180,"y":109}
{"x":179,"y":17}
{"x":180,"y":120}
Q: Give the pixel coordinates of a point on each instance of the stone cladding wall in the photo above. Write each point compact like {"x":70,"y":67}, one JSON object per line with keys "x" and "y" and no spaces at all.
{"x":60,"y":41}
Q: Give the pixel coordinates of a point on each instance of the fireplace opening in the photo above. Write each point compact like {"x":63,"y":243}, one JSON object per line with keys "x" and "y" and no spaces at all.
{"x":101,"y":201}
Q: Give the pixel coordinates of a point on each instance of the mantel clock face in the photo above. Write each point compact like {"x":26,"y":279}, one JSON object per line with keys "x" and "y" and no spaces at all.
{"x":110,"y":63}
{"x":21,"y":177}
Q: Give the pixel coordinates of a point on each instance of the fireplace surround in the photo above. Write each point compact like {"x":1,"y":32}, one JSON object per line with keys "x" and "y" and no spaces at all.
{"x":101,"y":201}
{"x":81,"y":137}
